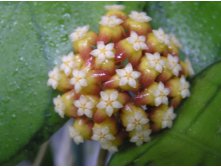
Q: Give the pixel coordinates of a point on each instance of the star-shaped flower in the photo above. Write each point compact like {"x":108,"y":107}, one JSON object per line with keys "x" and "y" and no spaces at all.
{"x":155,"y":61}
{"x":160,"y":94}
{"x":109,"y":146}
{"x":109,"y":102}
{"x":110,"y":21}
{"x":161,"y":36}
{"x":136,"y":121}
{"x":79,"y":33}
{"x":114,"y":7}
{"x":168,"y":118}
{"x":53,"y":78}
{"x":79,"y":80}
{"x":173,"y":64}
{"x":103,"y":51}
{"x":174,"y":41}
{"x":59,"y":106}
{"x":184,"y":87}
{"x":75,"y":135}
{"x":85,"y":106}
{"x":128,"y":76}
{"x":102,"y":134}
{"x":67,"y":63}
{"x":141,"y":136}
{"x":138,"y":42}
{"x":139,"y":16}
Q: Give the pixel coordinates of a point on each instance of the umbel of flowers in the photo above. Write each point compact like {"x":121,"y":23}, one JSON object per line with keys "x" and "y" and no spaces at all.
{"x":122,"y":83}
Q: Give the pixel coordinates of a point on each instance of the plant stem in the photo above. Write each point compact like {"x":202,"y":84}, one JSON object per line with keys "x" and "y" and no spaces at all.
{"x":41,"y":153}
{"x":102,"y":157}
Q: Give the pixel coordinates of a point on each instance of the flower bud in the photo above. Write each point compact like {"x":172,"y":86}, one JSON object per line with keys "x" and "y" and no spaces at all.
{"x":131,"y":48}
{"x":162,"y":117}
{"x":138,"y":22}
{"x":81,"y":130}
{"x":158,"y":41}
{"x":116,"y":10}
{"x":110,"y":29}
{"x":150,"y":66}
{"x":133,"y":117}
{"x":126,"y":79}
{"x":104,"y":57}
{"x":111,"y":101}
{"x":83,"y":40}
{"x":59,"y":80}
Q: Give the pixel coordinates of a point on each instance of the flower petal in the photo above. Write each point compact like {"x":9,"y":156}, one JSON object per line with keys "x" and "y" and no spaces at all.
{"x":101,"y":105}
{"x":117,"y":104}
{"x":114,"y":95}
{"x":109,"y":111}
{"x":132,"y":82}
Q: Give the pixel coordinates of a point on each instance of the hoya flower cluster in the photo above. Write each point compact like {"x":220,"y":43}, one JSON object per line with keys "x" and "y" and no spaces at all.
{"x":122,"y":83}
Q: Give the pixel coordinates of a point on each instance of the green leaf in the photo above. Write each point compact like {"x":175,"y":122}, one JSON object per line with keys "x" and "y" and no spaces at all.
{"x":33,"y":35}
{"x":196,"y":134}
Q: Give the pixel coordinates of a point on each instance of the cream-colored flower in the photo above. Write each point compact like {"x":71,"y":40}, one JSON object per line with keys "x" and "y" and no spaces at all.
{"x":53,"y":78}
{"x":85,"y":106}
{"x":79,"y":33}
{"x":79,"y":80}
{"x":114,"y":7}
{"x":173,"y":64}
{"x":75,"y":135}
{"x":109,"y":102}
{"x":138,"y":42}
{"x":103,"y":51}
{"x":59,"y":106}
{"x":155,"y":61}
{"x":184,"y":87}
{"x":141,"y":136}
{"x":128,"y":76}
{"x":168,"y":118}
{"x":139,"y":16}
{"x":160,"y":94}
{"x":161,"y":36}
{"x":102,"y":134}
{"x":67,"y":63}
{"x":109,"y":146}
{"x":136,"y":121}
{"x":110,"y":21}
{"x":174,"y":41}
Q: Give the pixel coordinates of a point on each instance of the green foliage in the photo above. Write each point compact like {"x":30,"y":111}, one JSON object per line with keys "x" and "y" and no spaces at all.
{"x":33,"y":35}
{"x":196,"y":135}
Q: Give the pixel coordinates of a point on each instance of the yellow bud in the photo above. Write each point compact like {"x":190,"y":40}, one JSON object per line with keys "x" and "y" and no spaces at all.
{"x":146,"y":97}
{"x":84,"y":46}
{"x":63,"y":82}
{"x":148,"y":73}
{"x":111,"y":34}
{"x":117,"y":13}
{"x":156,"y":117}
{"x":141,"y":28}
{"x":155,"y":45}
{"x":126,"y":48}
{"x":70,"y":110}
{"x":84,"y":127}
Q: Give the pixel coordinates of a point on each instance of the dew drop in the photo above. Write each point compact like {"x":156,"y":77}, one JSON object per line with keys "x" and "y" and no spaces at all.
{"x":13,"y":115}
